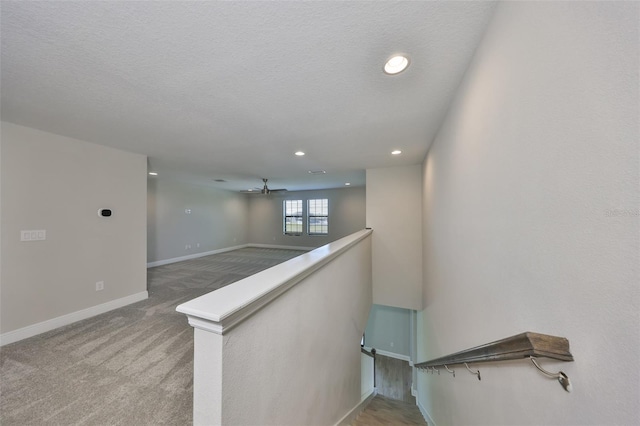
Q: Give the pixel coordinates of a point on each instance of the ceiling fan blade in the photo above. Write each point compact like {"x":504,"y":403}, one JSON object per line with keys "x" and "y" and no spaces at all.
{"x":264,"y":190}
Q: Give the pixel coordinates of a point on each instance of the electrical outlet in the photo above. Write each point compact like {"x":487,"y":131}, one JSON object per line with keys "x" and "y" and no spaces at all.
{"x":187,"y":247}
{"x":391,"y":344}
{"x":100,"y":286}
{"x":197,"y":245}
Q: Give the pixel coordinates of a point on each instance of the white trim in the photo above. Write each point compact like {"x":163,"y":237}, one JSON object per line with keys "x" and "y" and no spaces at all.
{"x":223,"y":309}
{"x":392,"y":355}
{"x":414,"y":392}
{"x":194,"y":256}
{"x":205,"y":325}
{"x":222,"y":250}
{"x":425,"y":415}
{"x":353,"y":413}
{"x":280,"y":246}
{"x":276,"y":246}
{"x":48,"y":325}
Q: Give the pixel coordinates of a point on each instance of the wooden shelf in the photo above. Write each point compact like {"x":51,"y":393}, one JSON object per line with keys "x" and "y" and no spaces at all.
{"x":515,"y":347}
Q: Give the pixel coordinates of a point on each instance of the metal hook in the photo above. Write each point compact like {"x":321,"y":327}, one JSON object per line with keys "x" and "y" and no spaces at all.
{"x":435,"y":370}
{"x":477,"y":372}
{"x":450,"y":371}
{"x":562,"y":378}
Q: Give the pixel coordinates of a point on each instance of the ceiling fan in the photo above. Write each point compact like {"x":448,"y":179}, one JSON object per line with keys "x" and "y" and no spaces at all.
{"x":264,"y":190}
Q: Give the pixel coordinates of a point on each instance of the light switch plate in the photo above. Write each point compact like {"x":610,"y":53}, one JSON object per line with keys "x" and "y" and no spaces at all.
{"x":33,"y":235}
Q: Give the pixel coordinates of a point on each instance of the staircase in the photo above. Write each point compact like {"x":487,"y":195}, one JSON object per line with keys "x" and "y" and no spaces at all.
{"x":383,"y":410}
{"x":394,"y":404}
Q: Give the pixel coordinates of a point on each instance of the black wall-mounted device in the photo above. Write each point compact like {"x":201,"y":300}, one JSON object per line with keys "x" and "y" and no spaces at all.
{"x":105,"y":212}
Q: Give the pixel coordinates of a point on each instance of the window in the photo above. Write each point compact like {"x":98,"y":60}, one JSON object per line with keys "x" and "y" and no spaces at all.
{"x":318,"y":217}
{"x":292,"y":210}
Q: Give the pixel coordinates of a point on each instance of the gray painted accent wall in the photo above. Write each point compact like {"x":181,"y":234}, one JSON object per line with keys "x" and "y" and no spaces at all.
{"x":57,"y":184}
{"x":346,"y":216}
{"x":388,"y":329}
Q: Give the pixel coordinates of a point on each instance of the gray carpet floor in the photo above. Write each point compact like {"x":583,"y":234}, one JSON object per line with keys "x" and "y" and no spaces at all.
{"x":130,"y":366}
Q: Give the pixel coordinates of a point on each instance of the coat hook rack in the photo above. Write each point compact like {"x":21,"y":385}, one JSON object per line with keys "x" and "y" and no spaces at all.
{"x":521,"y":346}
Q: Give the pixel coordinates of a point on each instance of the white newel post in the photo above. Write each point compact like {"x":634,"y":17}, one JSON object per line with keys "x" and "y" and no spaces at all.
{"x":207,"y":377}
{"x":207,"y":371}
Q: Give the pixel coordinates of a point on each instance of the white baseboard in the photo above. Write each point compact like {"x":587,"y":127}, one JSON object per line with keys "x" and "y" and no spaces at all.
{"x":353,"y":413}
{"x":194,"y":256}
{"x":427,"y":417}
{"x":48,"y":325}
{"x":222,"y":250}
{"x":392,"y":355}
{"x":276,"y":246}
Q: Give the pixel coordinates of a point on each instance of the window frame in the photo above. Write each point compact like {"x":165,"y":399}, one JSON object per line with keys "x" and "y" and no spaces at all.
{"x":324,"y":204}
{"x":286,"y":216}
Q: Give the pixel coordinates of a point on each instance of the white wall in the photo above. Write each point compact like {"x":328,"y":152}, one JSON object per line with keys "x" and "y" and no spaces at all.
{"x":346,"y":216}
{"x":388,"y":329}
{"x":57,"y":184}
{"x":217,"y":219}
{"x":305,"y":346}
{"x":538,"y":149}
{"x":394,"y":212}
{"x":282,"y":347}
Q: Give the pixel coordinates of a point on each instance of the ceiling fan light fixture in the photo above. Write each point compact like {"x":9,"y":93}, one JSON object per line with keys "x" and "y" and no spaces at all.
{"x":396,"y":64}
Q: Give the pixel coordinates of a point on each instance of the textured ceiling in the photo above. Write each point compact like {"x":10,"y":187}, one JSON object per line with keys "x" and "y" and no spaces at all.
{"x":230,"y":90}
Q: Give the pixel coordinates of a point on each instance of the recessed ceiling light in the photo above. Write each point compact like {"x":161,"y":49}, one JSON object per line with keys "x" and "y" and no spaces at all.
{"x":153,"y":174}
{"x":347,"y":184}
{"x":219,"y":180}
{"x":396,"y":152}
{"x":299,"y":153}
{"x":396,"y":64}
{"x":317,"y":172}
